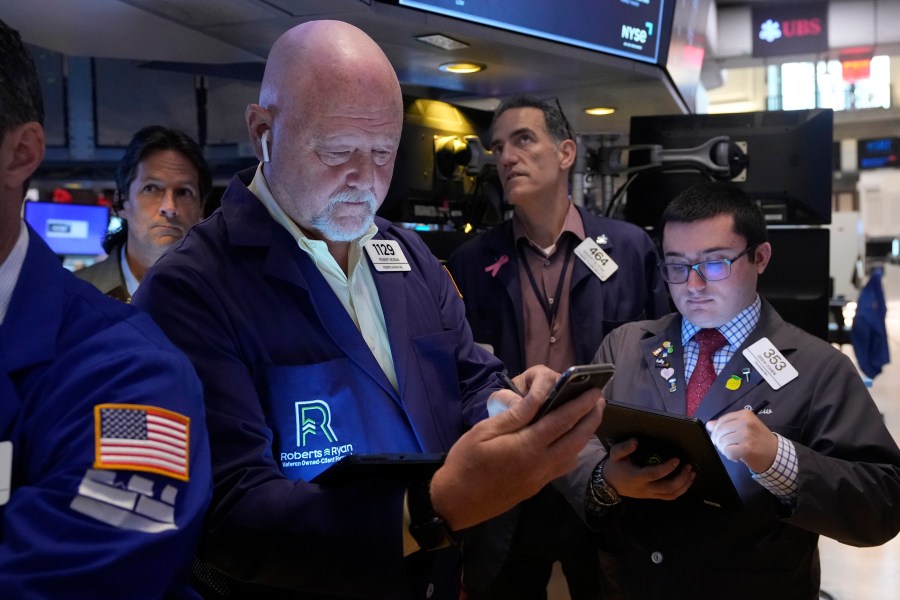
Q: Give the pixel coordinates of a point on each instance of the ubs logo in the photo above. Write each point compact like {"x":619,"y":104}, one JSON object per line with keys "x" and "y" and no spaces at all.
{"x":772,"y":30}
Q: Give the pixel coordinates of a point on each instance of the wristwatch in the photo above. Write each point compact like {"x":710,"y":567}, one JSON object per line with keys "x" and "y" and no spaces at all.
{"x":426,"y":526}
{"x":603,"y":493}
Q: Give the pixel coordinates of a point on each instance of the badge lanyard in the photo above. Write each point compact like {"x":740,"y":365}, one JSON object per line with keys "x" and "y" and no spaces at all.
{"x":549,"y":309}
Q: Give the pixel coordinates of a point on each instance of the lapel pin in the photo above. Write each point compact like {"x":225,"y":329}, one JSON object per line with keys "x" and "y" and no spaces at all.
{"x":602,"y":239}
{"x":746,"y":374}
{"x":733,"y":383}
{"x":494,"y":268}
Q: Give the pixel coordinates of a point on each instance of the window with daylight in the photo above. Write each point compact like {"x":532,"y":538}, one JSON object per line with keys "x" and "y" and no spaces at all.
{"x":840,"y":85}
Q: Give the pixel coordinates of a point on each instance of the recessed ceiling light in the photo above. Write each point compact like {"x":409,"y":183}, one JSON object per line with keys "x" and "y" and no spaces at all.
{"x":442,"y":41}
{"x":599,"y":111}
{"x":461,"y":67}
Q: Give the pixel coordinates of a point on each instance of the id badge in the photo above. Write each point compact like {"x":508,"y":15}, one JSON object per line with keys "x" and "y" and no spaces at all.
{"x":770,"y":363}
{"x":387,"y":255}
{"x":596,"y":259}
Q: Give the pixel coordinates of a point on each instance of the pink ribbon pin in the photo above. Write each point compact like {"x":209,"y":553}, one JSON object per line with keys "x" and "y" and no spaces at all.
{"x":495,"y":268}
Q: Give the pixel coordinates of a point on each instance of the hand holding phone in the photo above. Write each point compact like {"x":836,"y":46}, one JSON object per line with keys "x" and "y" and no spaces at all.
{"x":574,"y":382}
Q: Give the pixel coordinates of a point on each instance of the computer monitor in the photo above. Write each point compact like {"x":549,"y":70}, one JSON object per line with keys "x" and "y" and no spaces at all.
{"x":796,"y":282}
{"x":69,"y":229}
{"x":788,"y":169}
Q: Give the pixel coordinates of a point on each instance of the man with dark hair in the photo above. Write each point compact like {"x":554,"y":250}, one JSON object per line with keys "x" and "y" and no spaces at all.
{"x":321,"y":331}
{"x":104,"y":460}
{"x":162,"y":183}
{"x":810,"y":457}
{"x":546,"y":287}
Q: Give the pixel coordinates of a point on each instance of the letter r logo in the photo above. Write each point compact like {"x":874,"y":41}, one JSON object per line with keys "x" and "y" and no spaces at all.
{"x":313,"y":416}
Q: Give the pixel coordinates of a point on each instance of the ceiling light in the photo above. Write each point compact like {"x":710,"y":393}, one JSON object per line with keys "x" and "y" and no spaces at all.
{"x":599,"y":111}
{"x":461,"y":67}
{"x":442,"y":41}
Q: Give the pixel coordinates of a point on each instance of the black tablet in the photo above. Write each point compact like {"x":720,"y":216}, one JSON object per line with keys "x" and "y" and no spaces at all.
{"x":662,"y":436}
{"x":383,"y":466}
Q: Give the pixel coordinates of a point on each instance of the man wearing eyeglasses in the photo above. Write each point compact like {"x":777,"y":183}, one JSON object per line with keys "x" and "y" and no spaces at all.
{"x":810,"y":457}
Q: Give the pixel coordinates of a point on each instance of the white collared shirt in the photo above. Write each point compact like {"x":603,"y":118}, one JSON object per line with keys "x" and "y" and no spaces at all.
{"x":355,"y":289}
{"x":10,"y":270}
{"x":131,"y":282}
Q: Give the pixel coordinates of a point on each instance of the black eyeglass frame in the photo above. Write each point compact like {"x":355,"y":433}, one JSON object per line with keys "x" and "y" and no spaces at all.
{"x":663,"y":267}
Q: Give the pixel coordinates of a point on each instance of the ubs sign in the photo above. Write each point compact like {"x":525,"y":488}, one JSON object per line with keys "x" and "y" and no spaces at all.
{"x":782,"y":29}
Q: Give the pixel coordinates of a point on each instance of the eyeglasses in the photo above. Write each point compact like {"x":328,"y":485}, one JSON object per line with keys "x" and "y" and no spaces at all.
{"x":569,"y":132}
{"x":710,"y":270}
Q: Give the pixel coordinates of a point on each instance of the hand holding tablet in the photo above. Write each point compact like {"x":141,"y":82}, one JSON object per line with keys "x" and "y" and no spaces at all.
{"x":662,"y":436}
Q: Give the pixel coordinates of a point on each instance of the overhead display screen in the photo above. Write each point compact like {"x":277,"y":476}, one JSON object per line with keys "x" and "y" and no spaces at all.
{"x":637,"y":29}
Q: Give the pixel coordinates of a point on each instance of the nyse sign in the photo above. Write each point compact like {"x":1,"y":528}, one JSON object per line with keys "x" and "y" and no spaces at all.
{"x":784,"y":29}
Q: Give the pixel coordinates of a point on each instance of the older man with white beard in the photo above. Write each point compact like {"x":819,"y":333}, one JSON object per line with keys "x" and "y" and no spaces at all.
{"x":320,"y":331}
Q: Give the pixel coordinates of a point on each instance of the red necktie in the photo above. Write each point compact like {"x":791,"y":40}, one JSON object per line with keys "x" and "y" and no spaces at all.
{"x":704,"y":373}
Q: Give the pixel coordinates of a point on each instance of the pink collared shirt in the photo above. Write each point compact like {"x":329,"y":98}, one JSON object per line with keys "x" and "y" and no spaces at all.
{"x":551,"y":344}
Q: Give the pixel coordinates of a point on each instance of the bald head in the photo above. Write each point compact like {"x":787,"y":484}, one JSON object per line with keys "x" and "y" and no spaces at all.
{"x":330,"y":114}
{"x":319,"y":60}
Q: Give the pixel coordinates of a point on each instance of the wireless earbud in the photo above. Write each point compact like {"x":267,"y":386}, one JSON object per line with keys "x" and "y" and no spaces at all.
{"x":264,"y":140}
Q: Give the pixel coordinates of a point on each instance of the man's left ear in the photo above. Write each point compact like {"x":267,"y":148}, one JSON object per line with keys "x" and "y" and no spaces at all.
{"x":762,"y":254}
{"x":567,"y":150}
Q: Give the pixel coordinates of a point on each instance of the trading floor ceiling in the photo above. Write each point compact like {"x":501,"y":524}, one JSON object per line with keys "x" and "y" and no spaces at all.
{"x":236,"y":35}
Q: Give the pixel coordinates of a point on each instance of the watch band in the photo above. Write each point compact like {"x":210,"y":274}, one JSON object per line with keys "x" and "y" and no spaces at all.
{"x":603,"y":493}
{"x":426,"y":526}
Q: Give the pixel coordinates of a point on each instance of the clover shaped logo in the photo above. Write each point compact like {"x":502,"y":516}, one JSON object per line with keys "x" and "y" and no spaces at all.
{"x":770,"y":31}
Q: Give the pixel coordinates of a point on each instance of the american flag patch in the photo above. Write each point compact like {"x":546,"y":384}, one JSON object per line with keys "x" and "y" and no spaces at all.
{"x":133,"y":437}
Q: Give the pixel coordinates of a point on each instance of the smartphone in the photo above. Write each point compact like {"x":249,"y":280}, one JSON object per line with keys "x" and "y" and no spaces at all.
{"x":573,"y":382}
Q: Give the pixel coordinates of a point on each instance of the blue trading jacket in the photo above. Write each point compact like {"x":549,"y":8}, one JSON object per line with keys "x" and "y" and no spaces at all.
{"x":869,"y":334}
{"x":69,"y":529}
{"x":282,"y":363}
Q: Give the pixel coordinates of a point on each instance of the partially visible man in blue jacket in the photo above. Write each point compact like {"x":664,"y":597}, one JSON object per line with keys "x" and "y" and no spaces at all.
{"x":104,"y":459}
{"x":321,"y":331}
